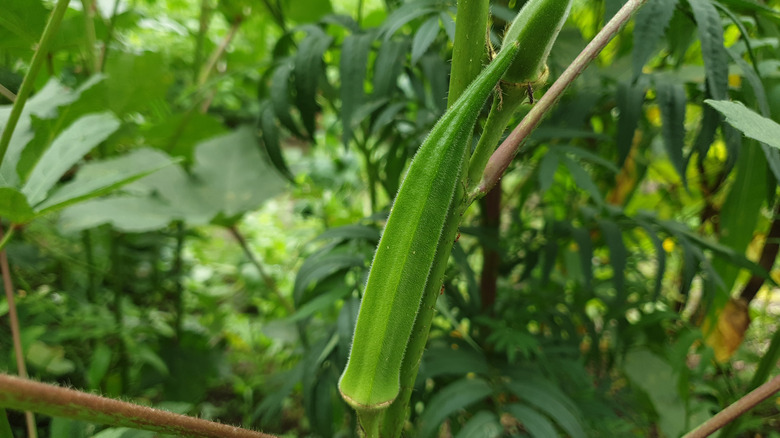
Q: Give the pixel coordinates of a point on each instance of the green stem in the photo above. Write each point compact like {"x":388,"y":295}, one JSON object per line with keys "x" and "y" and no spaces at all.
{"x":29,"y":79}
{"x":5,"y":238}
{"x":89,"y":31}
{"x":499,"y":161}
{"x":501,"y":114}
{"x":469,"y":52}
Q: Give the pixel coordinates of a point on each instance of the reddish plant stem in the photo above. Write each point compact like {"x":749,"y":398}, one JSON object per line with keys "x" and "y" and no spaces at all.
{"x":13,"y":317}
{"x":491,"y":221}
{"x":16,"y":393}
{"x":738,"y":408}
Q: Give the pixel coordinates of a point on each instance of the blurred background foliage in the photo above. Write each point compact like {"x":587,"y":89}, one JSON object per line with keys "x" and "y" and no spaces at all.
{"x":613,"y":285}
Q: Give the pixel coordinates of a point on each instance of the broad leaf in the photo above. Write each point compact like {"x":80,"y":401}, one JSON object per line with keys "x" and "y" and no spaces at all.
{"x":100,"y":177}
{"x":65,"y":151}
{"x":14,"y":206}
{"x":537,"y":425}
{"x":448,"y":400}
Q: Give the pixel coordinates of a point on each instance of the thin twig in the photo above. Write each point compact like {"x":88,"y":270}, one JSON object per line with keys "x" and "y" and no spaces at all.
{"x":738,"y":408}
{"x":505,"y":153}
{"x":8,"y":94}
{"x":16,"y":393}
{"x":267,"y":279}
{"x":21,"y":368}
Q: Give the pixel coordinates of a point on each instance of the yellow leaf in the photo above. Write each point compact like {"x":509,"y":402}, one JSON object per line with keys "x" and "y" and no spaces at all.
{"x":729,"y":331}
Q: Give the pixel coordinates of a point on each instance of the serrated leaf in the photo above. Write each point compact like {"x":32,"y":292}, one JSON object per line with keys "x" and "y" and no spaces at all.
{"x":318,"y":267}
{"x":547,"y":398}
{"x":354,"y":56}
{"x":537,"y":425}
{"x":710,"y":31}
{"x":748,"y":122}
{"x":630,"y":98}
{"x":387,"y":67}
{"x":453,"y":397}
{"x":618,"y":255}
{"x":585,"y":250}
{"x":100,"y":177}
{"x":67,"y":149}
{"x":583,"y":179}
{"x":424,"y":37}
{"x":547,"y":169}
{"x":671,"y":101}
{"x":484,"y":424}
{"x":650,"y":23}
{"x":308,"y":70}
{"x":14,"y":206}
{"x":406,"y":13}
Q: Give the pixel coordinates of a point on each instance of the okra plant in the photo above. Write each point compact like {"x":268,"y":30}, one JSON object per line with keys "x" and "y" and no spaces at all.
{"x":431,"y":192}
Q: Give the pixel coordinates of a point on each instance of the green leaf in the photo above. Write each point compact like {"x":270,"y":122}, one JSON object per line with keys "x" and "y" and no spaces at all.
{"x":44,"y":105}
{"x":423,"y":38}
{"x":126,"y":213}
{"x":484,"y":424}
{"x":748,"y":122}
{"x":650,"y":23}
{"x":271,"y":142}
{"x":406,"y":13}
{"x":352,"y":68}
{"x":318,"y":267}
{"x":710,"y":31}
{"x":389,"y":62}
{"x":453,"y":397}
{"x":234,"y":176}
{"x":148,"y":74}
{"x":618,"y":255}
{"x":547,"y":398}
{"x":547,"y":169}
{"x":319,"y":303}
{"x":671,"y":101}
{"x":582,"y":179}
{"x":280,"y":96}
{"x":66,"y":150}
{"x":100,"y":177}
{"x":14,"y":206}
{"x":659,"y":380}
{"x":446,"y":361}
{"x":351,"y":232}
{"x":585,"y":250}
{"x":99,"y":365}
{"x":306,"y":11}
{"x":308,"y":70}
{"x":536,"y":424}
{"x":630,"y":97}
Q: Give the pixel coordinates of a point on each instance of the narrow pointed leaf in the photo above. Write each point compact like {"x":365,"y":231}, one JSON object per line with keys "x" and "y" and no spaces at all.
{"x":710,"y":30}
{"x":671,"y":101}
{"x":308,"y":70}
{"x":537,"y":425}
{"x":354,"y":55}
{"x":424,"y":37}
{"x":651,"y":22}
{"x":453,"y":397}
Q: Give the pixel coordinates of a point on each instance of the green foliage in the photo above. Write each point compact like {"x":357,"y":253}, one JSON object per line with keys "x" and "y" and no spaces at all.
{"x":650,"y":185}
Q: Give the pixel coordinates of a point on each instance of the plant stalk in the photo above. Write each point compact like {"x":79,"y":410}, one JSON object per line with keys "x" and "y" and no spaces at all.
{"x":16,"y":393}
{"x":505,"y":153}
{"x":29,"y":79}
{"x":13,"y":317}
{"x":738,"y":408}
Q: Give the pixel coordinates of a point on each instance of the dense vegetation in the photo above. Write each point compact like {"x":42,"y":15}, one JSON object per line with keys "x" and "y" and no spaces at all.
{"x":194,"y":191}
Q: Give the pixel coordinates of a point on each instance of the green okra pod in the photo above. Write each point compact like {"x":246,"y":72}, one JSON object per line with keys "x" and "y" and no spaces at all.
{"x":536,"y":27}
{"x":407,"y":248}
